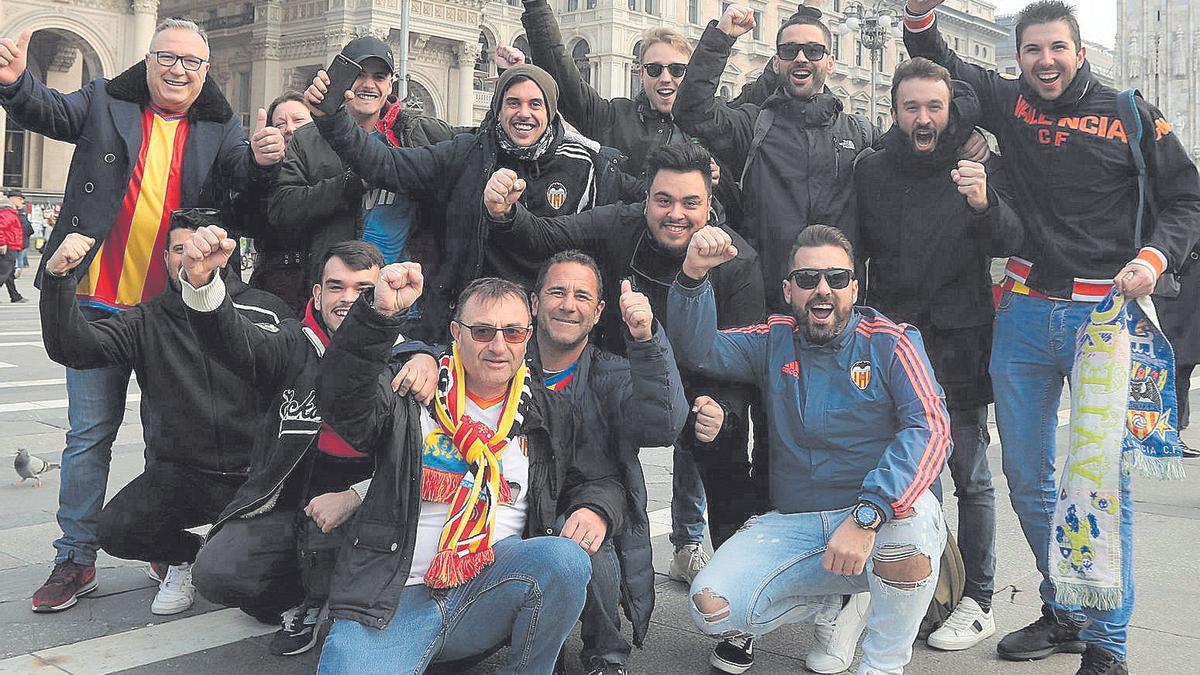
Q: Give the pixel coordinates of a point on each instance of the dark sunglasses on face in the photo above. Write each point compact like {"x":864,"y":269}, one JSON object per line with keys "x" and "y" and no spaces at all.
{"x":808,"y":278}
{"x":512,"y":334}
{"x":655,"y":69}
{"x":813,"y":51}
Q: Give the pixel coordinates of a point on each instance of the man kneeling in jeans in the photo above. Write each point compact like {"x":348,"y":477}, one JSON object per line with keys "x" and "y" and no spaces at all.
{"x":446,"y":558}
{"x":859,"y":431}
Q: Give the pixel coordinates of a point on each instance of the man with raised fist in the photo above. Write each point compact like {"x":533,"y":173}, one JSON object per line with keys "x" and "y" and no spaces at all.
{"x":929,"y":224}
{"x":486,"y":504}
{"x":859,"y":432}
{"x":156,"y":138}
{"x":629,"y":403}
{"x":273,"y":546}
{"x":199,"y":417}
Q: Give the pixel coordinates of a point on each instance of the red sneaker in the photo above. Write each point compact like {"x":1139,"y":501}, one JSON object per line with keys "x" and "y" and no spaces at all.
{"x":67,"y":582}
{"x":157,"y":571}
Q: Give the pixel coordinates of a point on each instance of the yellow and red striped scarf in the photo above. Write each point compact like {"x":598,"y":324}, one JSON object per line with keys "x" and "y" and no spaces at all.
{"x":471,"y":479}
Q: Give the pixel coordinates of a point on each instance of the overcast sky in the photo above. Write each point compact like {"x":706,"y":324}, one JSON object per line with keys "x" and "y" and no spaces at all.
{"x":1097,"y":18}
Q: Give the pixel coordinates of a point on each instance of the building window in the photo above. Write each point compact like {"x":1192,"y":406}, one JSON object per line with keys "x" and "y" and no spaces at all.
{"x":483,"y":64}
{"x":837,"y":5}
{"x":725,"y":92}
{"x":633,"y":5}
{"x":580,"y":55}
{"x":858,"y":54}
{"x":635,"y":72}
{"x":514,"y":3}
{"x":242,"y":93}
{"x":694,"y":12}
{"x":837,"y":47}
{"x":882,"y":62}
{"x":14,"y":154}
{"x":758,"y":22}
{"x":650,"y":7}
{"x":572,"y":5}
{"x":522,"y":43}
{"x":591,"y":4}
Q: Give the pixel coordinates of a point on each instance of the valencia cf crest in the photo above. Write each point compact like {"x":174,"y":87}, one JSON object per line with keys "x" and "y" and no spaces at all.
{"x":1145,"y":415}
{"x":556,"y":195}
{"x":860,"y":373}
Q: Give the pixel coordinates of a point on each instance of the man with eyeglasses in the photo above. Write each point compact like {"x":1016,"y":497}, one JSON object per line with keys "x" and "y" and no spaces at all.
{"x":319,"y":200}
{"x":198,"y":415}
{"x":155,"y":138}
{"x":271,"y":550}
{"x":793,"y":154}
{"x":859,"y":432}
{"x":486,"y":504}
{"x":929,"y":224}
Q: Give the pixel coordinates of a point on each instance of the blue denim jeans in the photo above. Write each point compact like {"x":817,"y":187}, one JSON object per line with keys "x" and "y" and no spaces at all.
{"x":976,"y":502}
{"x":770,"y":574}
{"x":601,"y":630}
{"x":687,"y":498}
{"x":95,"y":409}
{"x":1032,"y":354}
{"x":532,"y":594}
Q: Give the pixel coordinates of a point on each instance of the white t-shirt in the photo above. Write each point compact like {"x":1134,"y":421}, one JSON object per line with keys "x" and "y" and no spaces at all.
{"x":510,"y":518}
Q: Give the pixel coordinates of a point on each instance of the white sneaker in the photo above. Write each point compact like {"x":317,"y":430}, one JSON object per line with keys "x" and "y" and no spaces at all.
{"x":835,"y":642}
{"x":687,"y":562}
{"x":176,"y":592}
{"x":967,"y":626}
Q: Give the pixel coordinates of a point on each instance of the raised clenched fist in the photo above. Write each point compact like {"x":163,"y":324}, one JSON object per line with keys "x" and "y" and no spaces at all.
{"x":399,"y":286}
{"x":709,"y":247}
{"x":736,"y":21}
{"x":971,"y":179}
{"x":503,"y":190}
{"x":69,"y":254}
{"x":919,"y":7}
{"x":636,"y":311}
{"x":207,"y":250}
{"x":507,"y":56}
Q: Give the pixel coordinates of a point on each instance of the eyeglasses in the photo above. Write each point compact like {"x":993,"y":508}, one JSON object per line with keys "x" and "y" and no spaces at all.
{"x":169,"y":59}
{"x":655,"y":69}
{"x":196,"y":212}
{"x":813,"y":51}
{"x":513,"y":335}
{"x":808,"y":278}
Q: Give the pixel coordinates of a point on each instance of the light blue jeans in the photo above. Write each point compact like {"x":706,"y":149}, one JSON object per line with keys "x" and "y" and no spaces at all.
{"x":770,"y":573}
{"x":532,"y":594}
{"x":1032,"y":354}
{"x":95,"y":409}
{"x":687,"y":498}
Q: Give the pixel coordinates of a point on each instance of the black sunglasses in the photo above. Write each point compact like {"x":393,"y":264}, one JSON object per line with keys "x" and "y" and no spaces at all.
{"x":808,"y":278}
{"x":196,"y":211}
{"x":512,"y":334}
{"x":655,"y":69}
{"x":813,"y":51}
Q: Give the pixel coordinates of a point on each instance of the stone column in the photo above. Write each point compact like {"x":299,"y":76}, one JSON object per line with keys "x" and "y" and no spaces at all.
{"x":65,"y":73}
{"x":468,"y":53}
{"x":3,"y":137}
{"x":266,"y":76}
{"x":145,"y":18}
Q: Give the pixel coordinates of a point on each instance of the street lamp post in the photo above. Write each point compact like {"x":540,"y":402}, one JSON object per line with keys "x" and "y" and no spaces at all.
{"x":876,"y":26}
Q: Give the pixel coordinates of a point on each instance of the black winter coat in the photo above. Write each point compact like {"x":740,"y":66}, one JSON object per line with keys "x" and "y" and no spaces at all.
{"x":1073,"y":179}
{"x":196,"y":410}
{"x":450,"y":177}
{"x":632,"y":403}
{"x":928,"y":252}
{"x":104,"y":121}
{"x":795,"y":158}
{"x":567,"y":471}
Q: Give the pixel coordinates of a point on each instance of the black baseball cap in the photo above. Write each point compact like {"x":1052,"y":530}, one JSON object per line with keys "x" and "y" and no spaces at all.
{"x":366,"y":47}
{"x":14,"y":193}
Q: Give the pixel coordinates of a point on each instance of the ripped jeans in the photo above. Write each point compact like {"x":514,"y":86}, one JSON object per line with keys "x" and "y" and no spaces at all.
{"x":770,"y":575}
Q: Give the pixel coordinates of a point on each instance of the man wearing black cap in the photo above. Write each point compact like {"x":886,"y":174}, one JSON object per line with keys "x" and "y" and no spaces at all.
{"x":319,"y":201}
{"x":564,"y":173}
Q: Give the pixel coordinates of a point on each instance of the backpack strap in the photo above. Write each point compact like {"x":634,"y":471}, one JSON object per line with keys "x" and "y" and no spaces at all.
{"x":1132,"y":121}
{"x":762,"y":125}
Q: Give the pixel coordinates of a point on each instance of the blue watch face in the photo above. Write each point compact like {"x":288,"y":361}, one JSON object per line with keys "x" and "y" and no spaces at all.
{"x":865,"y":515}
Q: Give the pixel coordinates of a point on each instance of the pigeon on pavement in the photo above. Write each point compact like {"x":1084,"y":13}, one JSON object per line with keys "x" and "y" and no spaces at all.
{"x":29,"y":466}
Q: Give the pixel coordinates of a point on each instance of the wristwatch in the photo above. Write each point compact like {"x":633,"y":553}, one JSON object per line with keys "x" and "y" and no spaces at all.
{"x":867,"y":516}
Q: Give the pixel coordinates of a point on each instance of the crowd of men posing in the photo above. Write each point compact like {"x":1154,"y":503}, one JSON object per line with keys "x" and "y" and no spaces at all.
{"x":608,"y":275}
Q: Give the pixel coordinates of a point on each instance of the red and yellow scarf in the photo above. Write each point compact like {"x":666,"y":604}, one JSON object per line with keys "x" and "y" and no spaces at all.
{"x":470,"y":478}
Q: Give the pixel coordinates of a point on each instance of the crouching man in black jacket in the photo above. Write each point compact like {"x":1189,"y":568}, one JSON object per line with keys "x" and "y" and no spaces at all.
{"x":198,"y":415}
{"x":446,"y":557}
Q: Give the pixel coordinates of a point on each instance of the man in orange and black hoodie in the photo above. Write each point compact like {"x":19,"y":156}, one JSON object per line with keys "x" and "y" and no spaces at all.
{"x":306,"y":481}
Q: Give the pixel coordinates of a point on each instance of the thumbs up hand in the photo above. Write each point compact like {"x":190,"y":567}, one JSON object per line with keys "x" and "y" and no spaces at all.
{"x":267,"y":142}
{"x":636,"y":311}
{"x":12,"y":57}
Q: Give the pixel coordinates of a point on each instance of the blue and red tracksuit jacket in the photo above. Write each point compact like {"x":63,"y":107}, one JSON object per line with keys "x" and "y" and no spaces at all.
{"x":860,"y":418}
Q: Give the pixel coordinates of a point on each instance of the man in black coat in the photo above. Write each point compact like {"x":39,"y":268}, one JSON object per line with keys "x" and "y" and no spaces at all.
{"x":199,"y":416}
{"x":645,"y":242}
{"x":929,"y":224}
{"x":629,"y":402}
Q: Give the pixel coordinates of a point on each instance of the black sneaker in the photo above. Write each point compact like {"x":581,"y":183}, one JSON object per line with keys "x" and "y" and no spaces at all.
{"x":299,"y":631}
{"x":1188,"y":451}
{"x":734,"y":655}
{"x":1100,"y":661}
{"x":596,"y":665}
{"x":1048,"y":635}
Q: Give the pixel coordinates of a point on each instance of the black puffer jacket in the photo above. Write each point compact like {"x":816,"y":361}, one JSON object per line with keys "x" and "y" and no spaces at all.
{"x":450,"y":177}
{"x":929,"y":252}
{"x":632,"y":403}
{"x":196,"y":410}
{"x":567,"y":471}
{"x":795,"y":158}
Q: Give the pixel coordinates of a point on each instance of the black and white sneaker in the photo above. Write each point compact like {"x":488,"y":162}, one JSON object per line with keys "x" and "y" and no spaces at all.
{"x":1188,"y":451}
{"x":733,"y":655}
{"x":298,"y":633}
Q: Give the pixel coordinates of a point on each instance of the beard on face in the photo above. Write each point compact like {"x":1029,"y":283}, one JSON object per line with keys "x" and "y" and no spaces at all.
{"x":924,"y":138}
{"x":820,"y":334}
